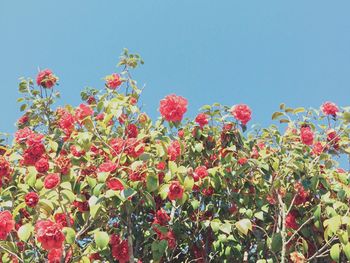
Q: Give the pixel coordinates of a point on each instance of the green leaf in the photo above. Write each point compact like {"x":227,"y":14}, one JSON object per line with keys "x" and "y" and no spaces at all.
{"x":152,"y":182}
{"x":188,"y":183}
{"x":172,"y":167}
{"x":226,"y":228}
{"x":298,"y":110}
{"x":276,"y":115}
{"x":101,"y":239}
{"x":335,"y":252}
{"x":215,"y":225}
{"x":243,"y":226}
{"x":158,"y":249}
{"x":70,"y":235}
{"x":346,"y":250}
{"x":346,"y":116}
{"x":25,"y":231}
{"x":276,"y":243}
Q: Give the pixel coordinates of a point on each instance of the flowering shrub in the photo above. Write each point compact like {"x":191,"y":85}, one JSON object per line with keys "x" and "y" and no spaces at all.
{"x":102,"y":182}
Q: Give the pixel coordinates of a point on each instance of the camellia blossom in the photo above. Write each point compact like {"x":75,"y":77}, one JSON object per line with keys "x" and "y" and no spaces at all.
{"x":46,"y":79}
{"x":173,"y":107}
{"x":329,"y":108}
{"x":113,"y":81}
{"x":175,"y":191}
{"x":49,"y":234}
{"x":7,"y":224}
{"x":120,"y":249}
{"x":202,"y":119}
{"x":242,"y":113}
{"x":306,"y":135}
{"x":83,"y":111}
{"x":174,"y":150}
{"x":31,"y":199}
{"x":52,"y":180}
{"x":114,"y":184}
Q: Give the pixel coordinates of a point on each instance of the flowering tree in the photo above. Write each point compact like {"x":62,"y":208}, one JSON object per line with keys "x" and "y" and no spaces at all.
{"x":102,"y":182}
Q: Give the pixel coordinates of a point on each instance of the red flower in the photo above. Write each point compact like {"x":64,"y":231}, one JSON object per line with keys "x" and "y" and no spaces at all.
{"x":175,"y":191}
{"x":133,"y":100}
{"x":201,"y":172}
{"x":161,"y":218}
{"x":131,"y":131}
{"x":91,"y":100}
{"x":172,"y":108}
{"x":202,"y":119}
{"x":181,"y":133}
{"x":5,"y":169}
{"x":329,"y":108}
{"x":61,"y":218}
{"x":107,"y":167}
{"x":318,"y":148}
{"x":208,"y":191}
{"x":49,"y":234}
{"x":291,"y":220}
{"x":174,"y":150}
{"x":63,"y":164}
{"x":161,"y":166}
{"x":22,"y":120}
{"x":7,"y":224}
{"x":76,"y":152}
{"x":33,"y":153}
{"x":120,"y":249}
{"x":82,"y":206}
{"x":54,"y":255}
{"x":242,"y":113}
{"x":169,"y":237}
{"x":66,"y":122}
{"x":113,"y":81}
{"x":83,"y":111}
{"x":23,"y":134}
{"x":42,"y":165}
{"x":46,"y":79}
{"x":333,"y":138}
{"x":134,"y":148}
{"x":306,"y":135}
{"x":52,"y":180}
{"x":31,"y":199}
{"x":302,"y":194}
{"x":114,"y":184}
{"x":242,"y":161}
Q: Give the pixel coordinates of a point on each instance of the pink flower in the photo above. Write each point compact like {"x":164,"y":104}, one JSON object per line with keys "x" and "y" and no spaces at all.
{"x":242,"y":113}
{"x":52,"y":180}
{"x":46,"y":79}
{"x":173,"y":107}
{"x":7,"y":224}
{"x":329,"y":108}
{"x":83,"y":111}
{"x":107,"y":167}
{"x":174,"y":150}
{"x":113,"y":81}
{"x":49,"y":234}
{"x":306,"y":135}
{"x":202,"y":119}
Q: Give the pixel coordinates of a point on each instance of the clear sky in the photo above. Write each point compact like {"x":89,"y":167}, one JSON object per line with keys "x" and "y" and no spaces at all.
{"x":257,"y":52}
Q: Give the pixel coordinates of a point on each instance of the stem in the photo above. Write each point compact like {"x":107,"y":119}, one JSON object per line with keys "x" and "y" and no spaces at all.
{"x":129,"y":230}
{"x":283,"y":230}
{"x":11,"y":253}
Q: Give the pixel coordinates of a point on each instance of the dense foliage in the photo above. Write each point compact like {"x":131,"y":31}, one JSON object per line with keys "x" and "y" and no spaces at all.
{"x":102,"y":182}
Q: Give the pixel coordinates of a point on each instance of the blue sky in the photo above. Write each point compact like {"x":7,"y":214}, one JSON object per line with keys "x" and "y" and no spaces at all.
{"x":257,"y":52}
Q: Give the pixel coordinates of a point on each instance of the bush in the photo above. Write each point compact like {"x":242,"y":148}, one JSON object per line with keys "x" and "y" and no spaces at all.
{"x":102,"y":182}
